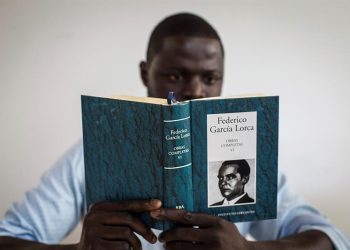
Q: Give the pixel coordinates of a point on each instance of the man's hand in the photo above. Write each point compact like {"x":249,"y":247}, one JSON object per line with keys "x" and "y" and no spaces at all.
{"x":203,"y":231}
{"x":111,"y":225}
{"x":211,"y":232}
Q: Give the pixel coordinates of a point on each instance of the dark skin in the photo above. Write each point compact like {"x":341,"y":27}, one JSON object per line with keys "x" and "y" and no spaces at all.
{"x":193,"y":68}
{"x":190,"y":67}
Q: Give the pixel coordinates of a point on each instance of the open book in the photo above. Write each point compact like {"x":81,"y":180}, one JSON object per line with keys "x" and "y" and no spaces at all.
{"x":213,"y":155}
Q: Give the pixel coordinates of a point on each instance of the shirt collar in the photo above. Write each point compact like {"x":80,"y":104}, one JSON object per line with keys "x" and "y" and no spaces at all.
{"x":233,"y":201}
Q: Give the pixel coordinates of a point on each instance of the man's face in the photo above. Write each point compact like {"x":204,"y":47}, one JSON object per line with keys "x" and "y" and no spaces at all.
{"x":231,"y":183}
{"x":192,"y":67}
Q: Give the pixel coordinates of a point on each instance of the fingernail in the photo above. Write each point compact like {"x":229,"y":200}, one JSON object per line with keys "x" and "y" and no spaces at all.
{"x":155,"y":213}
{"x":153,"y":239}
{"x":154,"y":202}
{"x":160,"y":238}
{"x":188,"y":216}
{"x":91,"y":205}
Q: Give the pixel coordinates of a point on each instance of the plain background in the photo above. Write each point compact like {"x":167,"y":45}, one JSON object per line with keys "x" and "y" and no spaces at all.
{"x":51,"y":52}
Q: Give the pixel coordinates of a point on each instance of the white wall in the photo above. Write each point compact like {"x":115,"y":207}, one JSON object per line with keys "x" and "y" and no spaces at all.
{"x":51,"y":52}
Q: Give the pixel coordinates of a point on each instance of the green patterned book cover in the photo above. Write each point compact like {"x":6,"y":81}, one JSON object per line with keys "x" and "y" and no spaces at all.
{"x":217,"y":156}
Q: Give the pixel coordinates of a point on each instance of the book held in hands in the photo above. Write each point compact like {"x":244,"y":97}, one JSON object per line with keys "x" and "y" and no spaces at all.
{"x":212,"y":155}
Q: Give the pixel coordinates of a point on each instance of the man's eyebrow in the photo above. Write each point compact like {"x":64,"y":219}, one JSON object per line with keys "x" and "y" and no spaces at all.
{"x":231,"y":175}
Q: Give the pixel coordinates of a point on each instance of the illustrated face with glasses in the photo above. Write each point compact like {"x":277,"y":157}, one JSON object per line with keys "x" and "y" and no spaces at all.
{"x":230,"y":181}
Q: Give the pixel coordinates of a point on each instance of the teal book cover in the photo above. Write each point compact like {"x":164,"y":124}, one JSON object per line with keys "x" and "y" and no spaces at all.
{"x":217,"y":156}
{"x":235,"y":157}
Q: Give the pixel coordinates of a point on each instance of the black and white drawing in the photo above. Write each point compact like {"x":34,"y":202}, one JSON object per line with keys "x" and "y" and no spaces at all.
{"x":231,"y":182}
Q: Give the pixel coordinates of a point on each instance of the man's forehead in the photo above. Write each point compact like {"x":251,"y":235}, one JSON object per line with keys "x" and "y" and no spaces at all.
{"x":232,"y":168}
{"x":189,"y":44}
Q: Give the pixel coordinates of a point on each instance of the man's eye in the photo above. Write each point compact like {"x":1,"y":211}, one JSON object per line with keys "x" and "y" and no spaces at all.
{"x":211,"y":79}
{"x":174,"y":77}
{"x":230,"y":176}
{"x":227,"y":177}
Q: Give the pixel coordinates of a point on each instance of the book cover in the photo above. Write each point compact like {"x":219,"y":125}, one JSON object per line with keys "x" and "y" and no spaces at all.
{"x":217,"y":156}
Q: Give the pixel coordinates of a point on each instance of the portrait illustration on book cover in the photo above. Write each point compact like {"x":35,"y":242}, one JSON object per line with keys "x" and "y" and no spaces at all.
{"x":231,"y":182}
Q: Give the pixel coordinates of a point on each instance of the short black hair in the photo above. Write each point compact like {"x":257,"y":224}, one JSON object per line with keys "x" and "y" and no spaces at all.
{"x":181,"y":24}
{"x":243,"y":166}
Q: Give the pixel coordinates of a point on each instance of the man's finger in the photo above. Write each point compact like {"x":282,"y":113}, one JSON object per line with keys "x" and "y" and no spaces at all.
{"x":133,"y":206}
{"x":115,"y":234}
{"x":106,"y":244}
{"x":187,"y":218}
{"x":188,"y":234}
{"x":113,"y":219}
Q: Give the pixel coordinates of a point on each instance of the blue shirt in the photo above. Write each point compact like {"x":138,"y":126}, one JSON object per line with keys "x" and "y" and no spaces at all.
{"x":51,"y":211}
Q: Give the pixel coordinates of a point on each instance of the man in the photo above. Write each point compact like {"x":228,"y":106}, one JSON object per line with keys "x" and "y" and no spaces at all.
{"x":233,"y":176}
{"x":185,"y":55}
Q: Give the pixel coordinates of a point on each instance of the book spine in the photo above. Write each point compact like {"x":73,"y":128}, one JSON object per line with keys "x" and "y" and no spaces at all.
{"x":177,"y":162}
